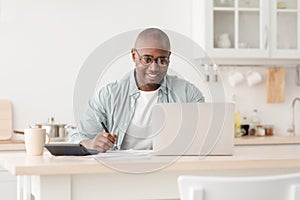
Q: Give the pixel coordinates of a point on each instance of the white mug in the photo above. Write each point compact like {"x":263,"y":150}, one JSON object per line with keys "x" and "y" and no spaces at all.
{"x":35,"y":138}
{"x":235,"y":78}
{"x":253,"y":78}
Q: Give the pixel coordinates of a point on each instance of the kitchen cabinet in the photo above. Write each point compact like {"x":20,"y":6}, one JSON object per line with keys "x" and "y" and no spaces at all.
{"x":252,"y":28}
{"x":8,"y":185}
{"x":8,"y":182}
{"x":285,"y":29}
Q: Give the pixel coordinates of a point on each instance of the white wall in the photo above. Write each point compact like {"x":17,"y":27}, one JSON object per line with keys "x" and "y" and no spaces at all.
{"x":249,"y":98}
{"x":44,"y":43}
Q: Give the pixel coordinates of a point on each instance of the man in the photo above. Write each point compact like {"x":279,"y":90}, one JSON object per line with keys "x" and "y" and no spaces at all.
{"x":124,"y":107}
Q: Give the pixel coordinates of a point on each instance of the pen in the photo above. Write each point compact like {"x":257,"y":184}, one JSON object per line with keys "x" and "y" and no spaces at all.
{"x":104,"y":127}
{"x":109,"y":135}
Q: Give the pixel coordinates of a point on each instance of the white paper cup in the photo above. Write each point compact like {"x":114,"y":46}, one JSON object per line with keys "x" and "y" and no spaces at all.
{"x":235,"y":78}
{"x":35,"y":138}
{"x":253,"y":78}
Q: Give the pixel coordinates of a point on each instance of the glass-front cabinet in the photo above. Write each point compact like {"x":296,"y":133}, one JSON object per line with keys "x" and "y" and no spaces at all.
{"x":252,"y":28}
{"x":285,"y":21}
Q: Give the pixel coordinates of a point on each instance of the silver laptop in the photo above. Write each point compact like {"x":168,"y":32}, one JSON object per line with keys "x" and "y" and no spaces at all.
{"x":193,"y":128}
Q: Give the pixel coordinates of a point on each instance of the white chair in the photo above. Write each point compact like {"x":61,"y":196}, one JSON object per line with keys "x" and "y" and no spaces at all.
{"x":276,"y":187}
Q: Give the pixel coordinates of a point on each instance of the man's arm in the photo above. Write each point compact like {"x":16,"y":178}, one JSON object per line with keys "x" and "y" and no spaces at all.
{"x":95,"y":113}
{"x":194,"y":94}
{"x":89,"y":124}
{"x":90,"y":133}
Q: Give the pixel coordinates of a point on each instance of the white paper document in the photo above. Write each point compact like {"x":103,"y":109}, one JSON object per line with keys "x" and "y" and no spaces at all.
{"x":125,"y":154}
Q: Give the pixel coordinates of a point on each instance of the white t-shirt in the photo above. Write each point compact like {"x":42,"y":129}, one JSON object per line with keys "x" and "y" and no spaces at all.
{"x":137,"y":135}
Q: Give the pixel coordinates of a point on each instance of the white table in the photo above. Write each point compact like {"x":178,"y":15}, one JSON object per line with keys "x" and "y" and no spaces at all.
{"x":80,"y":178}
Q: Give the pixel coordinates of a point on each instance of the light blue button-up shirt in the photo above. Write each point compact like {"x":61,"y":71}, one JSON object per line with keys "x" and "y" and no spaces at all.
{"x":114,"y":105}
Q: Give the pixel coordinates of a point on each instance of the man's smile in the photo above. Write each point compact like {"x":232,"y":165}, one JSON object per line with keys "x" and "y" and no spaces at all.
{"x":151,"y":75}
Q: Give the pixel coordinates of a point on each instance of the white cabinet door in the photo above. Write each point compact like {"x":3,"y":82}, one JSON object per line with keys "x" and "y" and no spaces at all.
{"x":252,"y":28}
{"x":237,"y":28}
{"x":285,"y":26}
{"x":8,"y":186}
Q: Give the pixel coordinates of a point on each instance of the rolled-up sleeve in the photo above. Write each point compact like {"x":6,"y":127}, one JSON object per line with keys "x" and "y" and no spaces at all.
{"x":89,"y":125}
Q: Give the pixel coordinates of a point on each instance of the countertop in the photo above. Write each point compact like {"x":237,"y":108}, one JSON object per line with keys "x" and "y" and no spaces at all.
{"x":266,"y":140}
{"x":11,"y":145}
{"x":16,"y":143}
{"x":278,"y":157}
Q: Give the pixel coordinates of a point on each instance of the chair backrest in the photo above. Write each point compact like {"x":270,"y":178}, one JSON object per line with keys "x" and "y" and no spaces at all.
{"x":5,"y":119}
{"x":276,"y":187}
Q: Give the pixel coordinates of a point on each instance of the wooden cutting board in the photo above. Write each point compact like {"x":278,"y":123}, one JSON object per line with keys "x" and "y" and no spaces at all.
{"x":5,"y":119}
{"x":275,"y":84}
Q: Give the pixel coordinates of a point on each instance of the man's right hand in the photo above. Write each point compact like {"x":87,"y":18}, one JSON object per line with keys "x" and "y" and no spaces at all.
{"x":102,"y":142}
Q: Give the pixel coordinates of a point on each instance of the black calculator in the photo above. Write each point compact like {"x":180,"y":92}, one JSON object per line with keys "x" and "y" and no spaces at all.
{"x":69,"y":150}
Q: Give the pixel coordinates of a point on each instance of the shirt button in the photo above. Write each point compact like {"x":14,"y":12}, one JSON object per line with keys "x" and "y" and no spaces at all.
{"x":125,"y":124}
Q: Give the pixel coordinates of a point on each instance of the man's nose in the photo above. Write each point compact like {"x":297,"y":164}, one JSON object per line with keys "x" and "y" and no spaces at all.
{"x":154,"y":66}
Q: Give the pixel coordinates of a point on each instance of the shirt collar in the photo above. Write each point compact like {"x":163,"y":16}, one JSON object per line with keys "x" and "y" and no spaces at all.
{"x":133,"y":88}
{"x":163,"y":86}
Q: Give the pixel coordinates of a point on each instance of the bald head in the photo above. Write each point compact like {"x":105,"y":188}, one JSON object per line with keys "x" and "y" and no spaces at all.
{"x":152,"y":38}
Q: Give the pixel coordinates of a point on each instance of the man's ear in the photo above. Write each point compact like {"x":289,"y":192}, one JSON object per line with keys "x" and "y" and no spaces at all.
{"x":133,"y":54}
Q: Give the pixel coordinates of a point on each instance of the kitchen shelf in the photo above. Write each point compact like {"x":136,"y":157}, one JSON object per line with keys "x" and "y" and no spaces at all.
{"x":223,"y":9}
{"x":287,"y":10}
{"x":249,"y":9}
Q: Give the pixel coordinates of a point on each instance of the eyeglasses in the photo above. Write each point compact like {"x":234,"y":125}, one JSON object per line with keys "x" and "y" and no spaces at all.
{"x":147,"y":60}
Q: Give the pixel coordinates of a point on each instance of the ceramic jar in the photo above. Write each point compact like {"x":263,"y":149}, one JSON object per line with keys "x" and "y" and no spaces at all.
{"x":224,"y":41}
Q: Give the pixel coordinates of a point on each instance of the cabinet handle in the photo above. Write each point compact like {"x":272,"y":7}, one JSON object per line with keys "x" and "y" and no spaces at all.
{"x":266,"y":37}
